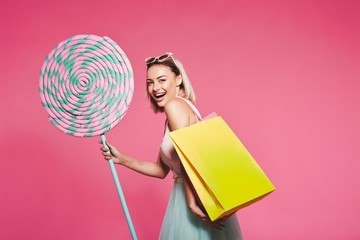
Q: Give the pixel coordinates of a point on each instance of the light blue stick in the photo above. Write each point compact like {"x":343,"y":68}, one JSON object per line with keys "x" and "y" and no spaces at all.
{"x":120,"y":192}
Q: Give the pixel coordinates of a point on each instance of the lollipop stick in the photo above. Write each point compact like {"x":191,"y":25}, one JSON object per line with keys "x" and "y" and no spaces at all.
{"x":120,"y":192}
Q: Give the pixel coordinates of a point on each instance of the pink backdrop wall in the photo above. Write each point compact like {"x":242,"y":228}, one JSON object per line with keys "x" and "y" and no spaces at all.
{"x":284,"y":74}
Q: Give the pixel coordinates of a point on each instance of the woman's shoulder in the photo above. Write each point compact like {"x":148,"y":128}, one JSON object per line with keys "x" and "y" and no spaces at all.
{"x":176,"y":104}
{"x":178,"y":113}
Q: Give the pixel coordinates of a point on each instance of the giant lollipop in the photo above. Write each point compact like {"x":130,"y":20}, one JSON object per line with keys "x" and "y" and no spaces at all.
{"x":86,"y":86}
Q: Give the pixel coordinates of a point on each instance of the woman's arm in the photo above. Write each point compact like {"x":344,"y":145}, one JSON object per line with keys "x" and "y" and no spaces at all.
{"x":180,"y":115}
{"x":195,"y":208}
{"x":153,"y":169}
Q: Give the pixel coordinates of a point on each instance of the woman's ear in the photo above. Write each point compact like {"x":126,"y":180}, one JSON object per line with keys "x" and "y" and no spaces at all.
{"x":178,"y":81}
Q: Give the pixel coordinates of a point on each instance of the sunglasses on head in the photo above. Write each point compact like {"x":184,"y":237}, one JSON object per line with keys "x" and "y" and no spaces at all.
{"x":160,"y":58}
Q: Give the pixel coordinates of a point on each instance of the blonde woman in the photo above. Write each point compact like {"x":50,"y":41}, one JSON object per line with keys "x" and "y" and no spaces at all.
{"x":169,"y":91}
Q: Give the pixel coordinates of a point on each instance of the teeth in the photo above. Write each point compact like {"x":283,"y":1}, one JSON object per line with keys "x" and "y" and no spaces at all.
{"x":158,"y":95}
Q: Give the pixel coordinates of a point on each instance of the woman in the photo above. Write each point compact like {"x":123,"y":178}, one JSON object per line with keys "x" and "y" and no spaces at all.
{"x":169,"y":90}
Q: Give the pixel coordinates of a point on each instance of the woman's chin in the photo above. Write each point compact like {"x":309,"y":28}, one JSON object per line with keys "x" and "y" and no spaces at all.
{"x":161,"y":104}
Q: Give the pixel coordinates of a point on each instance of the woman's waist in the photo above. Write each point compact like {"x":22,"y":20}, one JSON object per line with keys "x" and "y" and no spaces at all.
{"x":178,"y":179}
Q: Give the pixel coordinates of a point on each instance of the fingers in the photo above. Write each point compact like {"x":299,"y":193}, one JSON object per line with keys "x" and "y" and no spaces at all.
{"x":105,"y":148}
{"x":215,"y":224}
{"x":105,"y":151}
{"x":206,"y":220}
{"x":219,"y":225}
{"x":106,"y":154}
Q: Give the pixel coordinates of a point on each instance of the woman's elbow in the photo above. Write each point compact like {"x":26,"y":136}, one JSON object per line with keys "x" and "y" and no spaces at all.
{"x":162,"y":175}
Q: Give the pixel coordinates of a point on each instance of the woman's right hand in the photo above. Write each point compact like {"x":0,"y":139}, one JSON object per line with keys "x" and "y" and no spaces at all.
{"x":111,"y":153}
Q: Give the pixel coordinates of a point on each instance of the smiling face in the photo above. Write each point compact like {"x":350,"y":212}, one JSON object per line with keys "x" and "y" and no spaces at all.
{"x":162,"y":84}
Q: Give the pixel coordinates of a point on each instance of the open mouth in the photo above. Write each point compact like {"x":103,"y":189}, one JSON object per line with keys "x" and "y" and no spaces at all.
{"x":159,"y":96}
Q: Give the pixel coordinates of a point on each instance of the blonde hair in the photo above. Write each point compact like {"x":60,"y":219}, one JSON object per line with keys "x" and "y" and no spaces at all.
{"x":186,"y":89}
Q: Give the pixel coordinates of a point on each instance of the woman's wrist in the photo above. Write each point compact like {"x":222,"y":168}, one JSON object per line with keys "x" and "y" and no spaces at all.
{"x":192,"y":205}
{"x":117,"y":159}
{"x":122,"y":160}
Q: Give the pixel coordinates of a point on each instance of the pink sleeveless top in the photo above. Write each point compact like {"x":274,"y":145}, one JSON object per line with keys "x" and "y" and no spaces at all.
{"x":167,"y":151}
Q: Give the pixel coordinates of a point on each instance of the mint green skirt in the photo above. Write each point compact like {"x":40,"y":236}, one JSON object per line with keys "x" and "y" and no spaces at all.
{"x":180,"y":224}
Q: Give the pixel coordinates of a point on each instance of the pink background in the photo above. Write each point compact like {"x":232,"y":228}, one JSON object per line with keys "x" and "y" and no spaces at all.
{"x":284,"y":74}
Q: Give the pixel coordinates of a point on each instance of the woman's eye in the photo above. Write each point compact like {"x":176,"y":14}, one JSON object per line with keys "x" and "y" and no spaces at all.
{"x":149,"y":83}
{"x":162,"y":80}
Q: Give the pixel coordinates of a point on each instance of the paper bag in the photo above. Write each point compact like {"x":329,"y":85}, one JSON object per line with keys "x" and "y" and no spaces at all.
{"x":223,"y":173}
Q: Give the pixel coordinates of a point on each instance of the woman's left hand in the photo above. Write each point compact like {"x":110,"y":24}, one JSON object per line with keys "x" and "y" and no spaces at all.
{"x":196,"y":210}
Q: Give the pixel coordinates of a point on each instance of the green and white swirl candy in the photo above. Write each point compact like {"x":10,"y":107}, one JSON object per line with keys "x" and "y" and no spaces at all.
{"x":86,"y":85}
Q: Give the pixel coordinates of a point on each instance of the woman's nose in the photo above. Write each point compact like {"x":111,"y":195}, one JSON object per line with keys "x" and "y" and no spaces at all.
{"x":156,"y":86}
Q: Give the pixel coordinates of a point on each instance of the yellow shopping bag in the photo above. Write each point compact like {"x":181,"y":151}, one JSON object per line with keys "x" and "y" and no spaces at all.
{"x":224,"y":174}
